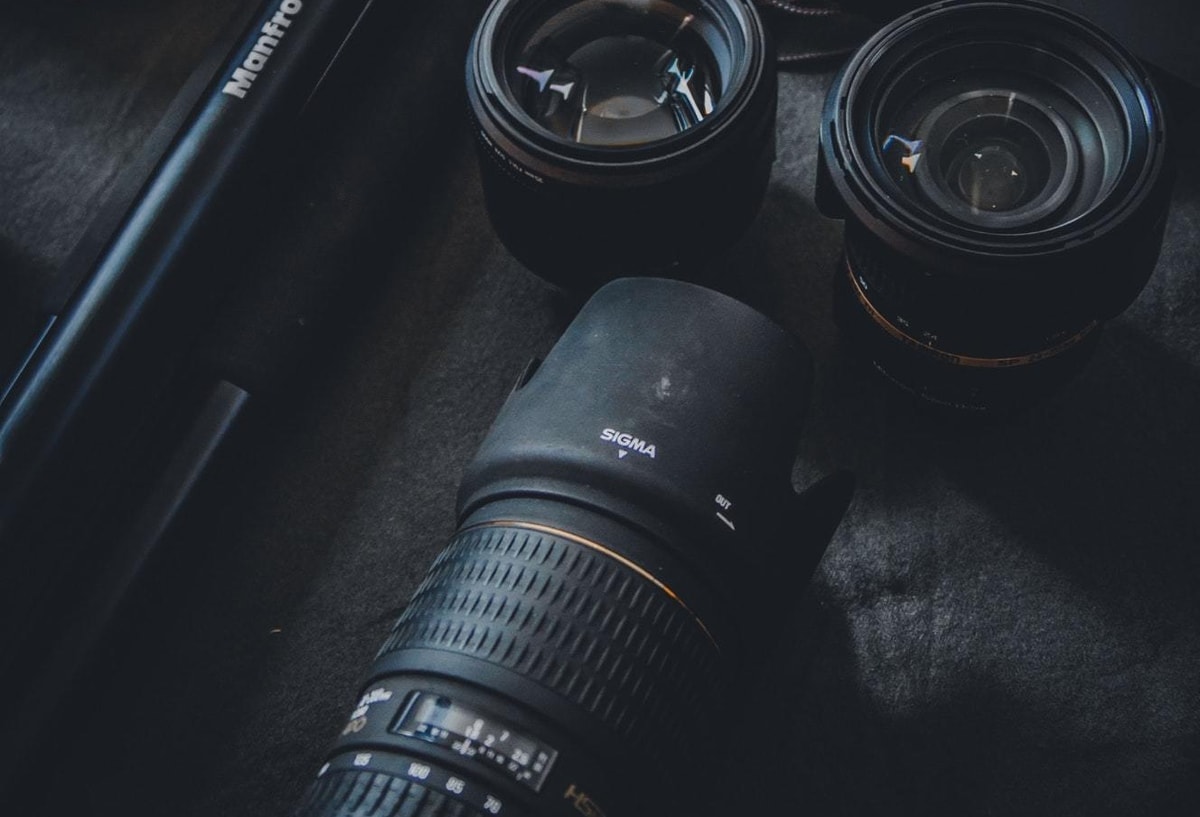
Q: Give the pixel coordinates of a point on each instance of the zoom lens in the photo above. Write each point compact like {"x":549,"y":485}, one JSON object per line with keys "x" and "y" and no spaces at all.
{"x":574,"y":649}
{"x":1002,"y":170}
{"x":621,"y":136}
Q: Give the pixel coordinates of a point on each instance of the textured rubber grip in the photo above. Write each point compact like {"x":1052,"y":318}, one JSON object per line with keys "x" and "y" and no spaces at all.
{"x":573,"y":618}
{"x":363,"y":793}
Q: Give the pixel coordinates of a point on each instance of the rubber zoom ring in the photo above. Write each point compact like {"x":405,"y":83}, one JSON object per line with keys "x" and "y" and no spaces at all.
{"x":363,"y":793}
{"x":574,"y":620}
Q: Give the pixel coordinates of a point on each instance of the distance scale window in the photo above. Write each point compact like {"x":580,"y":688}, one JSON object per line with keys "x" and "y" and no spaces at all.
{"x":468,"y":732}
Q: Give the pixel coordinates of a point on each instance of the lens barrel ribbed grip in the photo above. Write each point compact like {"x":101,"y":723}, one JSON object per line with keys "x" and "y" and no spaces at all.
{"x":573,"y":619}
{"x":361,"y":793}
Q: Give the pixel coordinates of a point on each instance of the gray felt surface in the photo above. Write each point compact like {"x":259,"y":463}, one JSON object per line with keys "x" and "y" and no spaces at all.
{"x":1007,"y":621}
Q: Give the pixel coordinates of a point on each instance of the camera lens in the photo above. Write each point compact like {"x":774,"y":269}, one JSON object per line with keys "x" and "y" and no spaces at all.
{"x":992,"y":160}
{"x":621,"y":136}
{"x":611,"y":74}
{"x":1002,"y":170}
{"x":575,"y":648}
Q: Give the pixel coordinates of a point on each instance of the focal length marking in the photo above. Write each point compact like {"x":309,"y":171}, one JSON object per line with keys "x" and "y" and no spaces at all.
{"x":273,"y":32}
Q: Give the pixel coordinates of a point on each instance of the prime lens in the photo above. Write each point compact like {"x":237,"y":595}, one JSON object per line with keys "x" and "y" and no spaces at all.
{"x":621,"y":136}
{"x":1002,"y":171}
{"x":627,"y":531}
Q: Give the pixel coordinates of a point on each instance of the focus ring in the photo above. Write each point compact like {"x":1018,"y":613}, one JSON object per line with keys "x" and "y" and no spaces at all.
{"x":362,"y":793}
{"x":574,"y":620}
{"x":1011,"y":317}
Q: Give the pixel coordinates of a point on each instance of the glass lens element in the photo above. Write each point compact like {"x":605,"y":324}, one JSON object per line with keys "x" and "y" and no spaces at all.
{"x":619,"y":74}
{"x":995,"y":164}
{"x":989,"y":157}
{"x":990,"y":177}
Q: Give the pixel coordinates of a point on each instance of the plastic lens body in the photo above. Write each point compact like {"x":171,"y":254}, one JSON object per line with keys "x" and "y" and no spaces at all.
{"x":1002,"y":169}
{"x":567,"y":650}
{"x":621,"y":136}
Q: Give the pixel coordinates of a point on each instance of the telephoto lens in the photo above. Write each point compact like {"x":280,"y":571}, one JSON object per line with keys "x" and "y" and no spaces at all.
{"x":1002,"y":171}
{"x":621,"y":137}
{"x":628,"y":540}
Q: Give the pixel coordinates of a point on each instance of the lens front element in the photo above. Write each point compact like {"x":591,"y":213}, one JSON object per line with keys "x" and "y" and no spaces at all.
{"x":988,"y":172}
{"x":615,"y":74}
{"x":988,"y":158}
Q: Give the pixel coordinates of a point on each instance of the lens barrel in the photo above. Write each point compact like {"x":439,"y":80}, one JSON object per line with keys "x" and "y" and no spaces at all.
{"x":1002,"y":170}
{"x":621,"y":137}
{"x":574,"y":646}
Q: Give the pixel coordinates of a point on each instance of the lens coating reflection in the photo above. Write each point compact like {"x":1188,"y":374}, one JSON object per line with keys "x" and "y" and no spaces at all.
{"x":996,"y":164}
{"x":989,"y":157}
{"x":620,"y":74}
{"x":991,"y":177}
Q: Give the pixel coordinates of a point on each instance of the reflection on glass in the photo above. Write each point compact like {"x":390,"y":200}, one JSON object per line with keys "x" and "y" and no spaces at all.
{"x":913,"y":150}
{"x":618,"y":76}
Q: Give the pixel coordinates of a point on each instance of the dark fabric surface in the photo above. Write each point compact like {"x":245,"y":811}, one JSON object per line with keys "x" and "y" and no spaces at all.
{"x":1006,"y":622}
{"x":80,"y":92}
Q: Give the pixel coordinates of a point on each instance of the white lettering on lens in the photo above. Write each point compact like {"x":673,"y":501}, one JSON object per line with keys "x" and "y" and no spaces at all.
{"x":355,"y":726}
{"x":629,"y":442}
{"x":272,"y":31}
{"x":375,"y":696}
